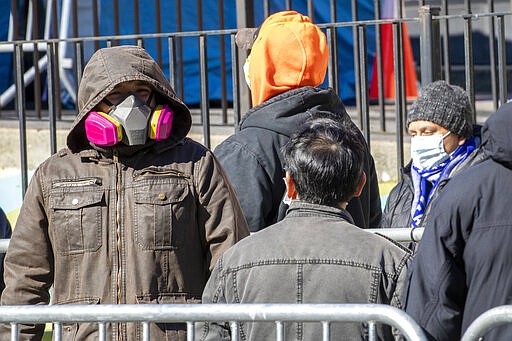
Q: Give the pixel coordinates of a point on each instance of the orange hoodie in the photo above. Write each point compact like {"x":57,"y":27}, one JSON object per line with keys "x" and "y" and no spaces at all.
{"x":289,"y":52}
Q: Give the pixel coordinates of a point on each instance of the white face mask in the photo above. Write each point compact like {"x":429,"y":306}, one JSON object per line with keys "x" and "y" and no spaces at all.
{"x":246,"y":71}
{"x":428,"y":151}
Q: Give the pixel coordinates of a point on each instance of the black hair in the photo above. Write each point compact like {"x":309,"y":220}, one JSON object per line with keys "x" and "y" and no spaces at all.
{"x":325,"y":160}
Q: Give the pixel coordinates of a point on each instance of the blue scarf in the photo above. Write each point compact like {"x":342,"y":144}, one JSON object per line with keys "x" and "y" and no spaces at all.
{"x":425,"y":181}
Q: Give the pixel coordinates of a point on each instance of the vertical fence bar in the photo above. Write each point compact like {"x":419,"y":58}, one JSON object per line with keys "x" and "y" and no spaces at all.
{"x":57,"y":331}
{"x":357,"y":67}
{"x":331,"y":61}
{"x":52,"y":96}
{"x":172,"y":62}
{"x":158,"y":24}
{"x":115,"y":4}
{"x":136,"y":17}
{"x":429,"y":45}
{"x":446,"y":42}
{"x":95,"y":23}
{"x":145,"y":331}
{"x":35,"y":59}
{"x":190,"y":331}
{"x":380,"y":78}
{"x":199,"y":6}
{"x":372,"y":332}
{"x":235,"y":331}
{"x":397,"y":49}
{"x":288,"y":4}
{"x":79,"y":62}
{"x":14,"y":332}
{"x":205,"y":110}
{"x":235,"y":77}
{"x":181,"y":84}
{"x":365,"y":109}
{"x":266,"y":8}
{"x":334,"y":48}
{"x":311,"y":10}
{"x":492,"y":55}
{"x":468,"y":62}
{"x":20,"y":108}
{"x":14,"y":13}
{"x":279,"y":331}
{"x":502,"y":60}
{"x":102,"y":331}
{"x":326,"y":331}
{"x":222,"y":53}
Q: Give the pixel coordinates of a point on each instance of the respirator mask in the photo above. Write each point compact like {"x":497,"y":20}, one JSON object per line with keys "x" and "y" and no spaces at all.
{"x":132,"y":121}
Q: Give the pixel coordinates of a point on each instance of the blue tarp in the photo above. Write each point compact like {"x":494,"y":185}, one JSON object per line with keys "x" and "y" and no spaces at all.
{"x":211,"y":22}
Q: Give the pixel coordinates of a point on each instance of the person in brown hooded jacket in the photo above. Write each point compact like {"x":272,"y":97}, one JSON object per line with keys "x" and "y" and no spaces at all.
{"x":132,"y":211}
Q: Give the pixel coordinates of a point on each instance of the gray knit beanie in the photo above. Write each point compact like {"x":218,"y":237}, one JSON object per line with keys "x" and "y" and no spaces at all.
{"x":444,"y":104}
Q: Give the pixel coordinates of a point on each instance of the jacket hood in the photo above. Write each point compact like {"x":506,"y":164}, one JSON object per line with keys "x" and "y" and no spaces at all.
{"x":286,"y":112}
{"x":496,"y":136}
{"x":289,"y":52}
{"x":111,"y":66}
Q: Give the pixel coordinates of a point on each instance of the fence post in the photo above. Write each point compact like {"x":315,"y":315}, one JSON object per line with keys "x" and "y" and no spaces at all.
{"x":430,"y":45}
{"x":244,"y":18}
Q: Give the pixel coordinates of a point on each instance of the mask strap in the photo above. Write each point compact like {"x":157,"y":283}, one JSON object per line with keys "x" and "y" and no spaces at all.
{"x":448,"y":133}
{"x":107,"y":102}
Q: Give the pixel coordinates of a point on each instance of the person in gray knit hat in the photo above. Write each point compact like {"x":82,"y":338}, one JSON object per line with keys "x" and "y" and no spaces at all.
{"x":444,"y":141}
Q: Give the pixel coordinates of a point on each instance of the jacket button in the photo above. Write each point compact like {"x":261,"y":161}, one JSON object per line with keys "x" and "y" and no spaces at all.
{"x":75,"y":201}
{"x":161,"y":196}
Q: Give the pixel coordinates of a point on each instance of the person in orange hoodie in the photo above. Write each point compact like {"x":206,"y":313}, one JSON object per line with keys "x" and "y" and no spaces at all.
{"x":287,"y":63}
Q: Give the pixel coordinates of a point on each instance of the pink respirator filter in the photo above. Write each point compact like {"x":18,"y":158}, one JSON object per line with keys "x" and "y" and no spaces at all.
{"x":102,"y":130}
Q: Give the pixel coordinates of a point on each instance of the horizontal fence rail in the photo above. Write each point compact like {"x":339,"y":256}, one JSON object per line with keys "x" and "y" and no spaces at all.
{"x":190,"y":313}
{"x":490,"y":319}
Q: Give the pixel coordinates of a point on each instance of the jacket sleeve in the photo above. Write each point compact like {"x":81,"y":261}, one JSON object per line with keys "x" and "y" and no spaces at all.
{"x":219,"y":212}
{"x":252,"y":185}
{"x":5,"y":233}
{"x":214,"y":293}
{"x":375,"y":209}
{"x":29,"y":260}
{"x":388,"y":214}
{"x":436,"y":289}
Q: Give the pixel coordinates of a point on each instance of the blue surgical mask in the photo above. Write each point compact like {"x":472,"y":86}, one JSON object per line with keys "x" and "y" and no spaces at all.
{"x":428,"y":151}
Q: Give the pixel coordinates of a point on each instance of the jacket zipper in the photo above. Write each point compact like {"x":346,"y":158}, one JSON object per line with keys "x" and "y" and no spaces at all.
{"x":152,"y":172}
{"x":85,"y":182}
{"x":118,"y":224}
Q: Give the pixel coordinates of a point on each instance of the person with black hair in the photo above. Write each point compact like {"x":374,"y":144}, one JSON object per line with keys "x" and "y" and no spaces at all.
{"x":315,"y":254}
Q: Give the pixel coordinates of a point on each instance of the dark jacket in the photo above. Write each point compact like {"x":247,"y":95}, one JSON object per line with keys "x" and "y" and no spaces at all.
{"x":397,"y":212}
{"x":253,"y":160}
{"x":120,"y":225}
{"x":463,"y":265}
{"x":314,"y":255}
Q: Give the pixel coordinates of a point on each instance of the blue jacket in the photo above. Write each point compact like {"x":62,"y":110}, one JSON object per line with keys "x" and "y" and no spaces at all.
{"x":463,"y":264}
{"x":314,"y":255}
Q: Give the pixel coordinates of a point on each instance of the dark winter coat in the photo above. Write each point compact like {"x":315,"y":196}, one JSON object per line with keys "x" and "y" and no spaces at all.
{"x":254,"y":163}
{"x":463,"y":264}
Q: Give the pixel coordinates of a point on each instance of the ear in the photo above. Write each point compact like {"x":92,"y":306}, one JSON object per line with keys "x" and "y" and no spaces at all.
{"x":290,"y":186}
{"x":461,"y":140}
{"x":362,"y":182}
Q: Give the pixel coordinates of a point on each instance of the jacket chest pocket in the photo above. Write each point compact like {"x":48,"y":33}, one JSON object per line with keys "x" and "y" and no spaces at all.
{"x":76,"y":220}
{"x":162,"y":213}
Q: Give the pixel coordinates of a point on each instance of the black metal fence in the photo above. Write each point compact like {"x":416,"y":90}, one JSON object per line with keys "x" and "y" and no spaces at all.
{"x":38,"y":62}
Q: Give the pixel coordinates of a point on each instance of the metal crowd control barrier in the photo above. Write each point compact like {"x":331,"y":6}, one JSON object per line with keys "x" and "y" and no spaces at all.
{"x":397,"y":234}
{"x":401,"y":234}
{"x":191,"y":313}
{"x":490,"y":319}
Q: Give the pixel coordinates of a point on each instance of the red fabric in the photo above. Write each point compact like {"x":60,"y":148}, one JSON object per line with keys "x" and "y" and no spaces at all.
{"x":411,"y":86}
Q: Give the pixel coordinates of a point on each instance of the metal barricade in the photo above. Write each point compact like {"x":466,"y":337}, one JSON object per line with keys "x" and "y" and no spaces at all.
{"x":490,"y":319}
{"x":401,"y":234}
{"x":233,"y":313}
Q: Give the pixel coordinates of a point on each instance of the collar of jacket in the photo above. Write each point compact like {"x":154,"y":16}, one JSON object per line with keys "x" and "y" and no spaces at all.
{"x":302,"y":208}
